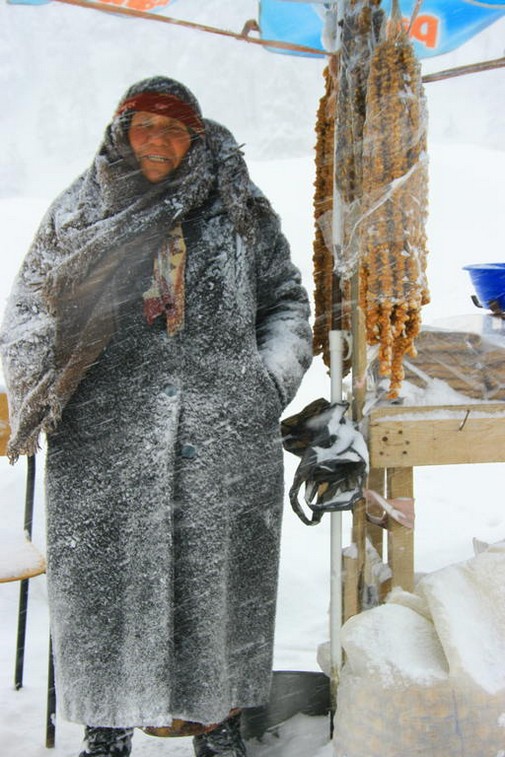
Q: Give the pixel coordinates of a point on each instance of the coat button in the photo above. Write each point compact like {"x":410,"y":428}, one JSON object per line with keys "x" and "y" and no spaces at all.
{"x":170,"y":390}
{"x":188,"y":451}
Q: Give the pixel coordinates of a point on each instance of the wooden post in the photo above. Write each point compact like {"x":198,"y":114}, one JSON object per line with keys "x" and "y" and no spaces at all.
{"x":377,"y":482}
{"x":350,"y":598}
{"x":354,"y":563}
{"x":400,"y":483}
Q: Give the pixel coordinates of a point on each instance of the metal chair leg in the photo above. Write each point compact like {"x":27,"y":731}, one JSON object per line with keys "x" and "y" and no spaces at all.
{"x":51,"y":701}
{"x":29,"y":494}
{"x":21,"y":634}
{"x":23,"y":589}
{"x":22,"y":613}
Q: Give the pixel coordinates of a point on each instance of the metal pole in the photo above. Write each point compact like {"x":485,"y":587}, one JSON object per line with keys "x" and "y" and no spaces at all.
{"x":23,"y":587}
{"x":51,"y":700}
{"x":336,"y":359}
{"x":336,"y":345}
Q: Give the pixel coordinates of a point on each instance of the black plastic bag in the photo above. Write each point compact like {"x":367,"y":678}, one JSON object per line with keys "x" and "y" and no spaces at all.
{"x":334,"y":459}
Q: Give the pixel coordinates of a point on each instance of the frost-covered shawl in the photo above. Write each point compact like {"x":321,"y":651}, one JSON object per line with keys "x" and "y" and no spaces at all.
{"x":60,"y":314}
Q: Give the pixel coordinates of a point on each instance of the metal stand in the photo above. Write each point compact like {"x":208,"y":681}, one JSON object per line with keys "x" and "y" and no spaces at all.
{"x":23,"y":587}
{"x":22,"y":612}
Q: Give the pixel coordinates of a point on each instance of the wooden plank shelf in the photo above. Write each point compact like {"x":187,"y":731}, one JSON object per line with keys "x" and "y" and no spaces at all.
{"x":405,"y":437}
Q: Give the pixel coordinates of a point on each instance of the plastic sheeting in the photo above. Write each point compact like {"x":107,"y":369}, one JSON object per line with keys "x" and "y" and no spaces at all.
{"x":469,"y":358}
{"x":440,"y":26}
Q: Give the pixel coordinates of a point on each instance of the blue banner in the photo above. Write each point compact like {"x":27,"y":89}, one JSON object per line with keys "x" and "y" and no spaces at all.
{"x":440,"y":26}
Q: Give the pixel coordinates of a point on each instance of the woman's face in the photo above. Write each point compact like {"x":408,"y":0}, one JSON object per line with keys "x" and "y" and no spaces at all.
{"x":159,"y":143}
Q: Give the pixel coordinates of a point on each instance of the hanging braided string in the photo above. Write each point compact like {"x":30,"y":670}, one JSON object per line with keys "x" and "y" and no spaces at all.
{"x":378,"y":108}
{"x":393,"y":285}
{"x":323,"y":214}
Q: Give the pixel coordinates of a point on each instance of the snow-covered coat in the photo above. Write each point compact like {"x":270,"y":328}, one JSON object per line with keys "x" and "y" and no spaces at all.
{"x":164,"y":475}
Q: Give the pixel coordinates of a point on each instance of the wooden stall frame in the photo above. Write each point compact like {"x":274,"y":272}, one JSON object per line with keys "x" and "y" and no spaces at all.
{"x":401,"y":438}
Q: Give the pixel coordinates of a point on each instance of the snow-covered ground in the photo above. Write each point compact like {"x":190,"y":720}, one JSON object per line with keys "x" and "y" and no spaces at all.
{"x":62,"y":70}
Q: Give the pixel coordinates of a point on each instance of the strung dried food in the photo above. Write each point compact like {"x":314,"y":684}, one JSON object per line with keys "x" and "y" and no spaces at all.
{"x":323,"y":212}
{"x":339,"y":129}
{"x":393,"y":284}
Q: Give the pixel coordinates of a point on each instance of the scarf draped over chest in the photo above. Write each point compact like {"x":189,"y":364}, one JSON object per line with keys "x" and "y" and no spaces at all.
{"x":165,"y":296}
{"x":107,"y":223}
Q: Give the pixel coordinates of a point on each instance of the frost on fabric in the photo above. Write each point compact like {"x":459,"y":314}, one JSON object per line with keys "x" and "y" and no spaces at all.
{"x":164,"y":475}
{"x":281,"y":339}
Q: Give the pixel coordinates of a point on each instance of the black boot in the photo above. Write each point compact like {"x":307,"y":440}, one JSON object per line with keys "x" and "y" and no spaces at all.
{"x":225,"y":740}
{"x":107,"y":742}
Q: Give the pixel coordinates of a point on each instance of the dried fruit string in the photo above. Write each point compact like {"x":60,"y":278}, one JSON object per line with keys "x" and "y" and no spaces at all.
{"x":381,"y":183}
{"x":323,"y":257}
{"x":393,"y":251}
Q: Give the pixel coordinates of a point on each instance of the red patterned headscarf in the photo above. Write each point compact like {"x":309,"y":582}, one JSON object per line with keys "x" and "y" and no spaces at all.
{"x":163,"y":105}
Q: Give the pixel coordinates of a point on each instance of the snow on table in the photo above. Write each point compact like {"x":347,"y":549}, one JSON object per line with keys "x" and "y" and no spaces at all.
{"x":19,"y":557}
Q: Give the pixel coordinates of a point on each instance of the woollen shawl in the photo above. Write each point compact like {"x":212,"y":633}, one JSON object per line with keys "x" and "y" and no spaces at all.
{"x":62,"y":302}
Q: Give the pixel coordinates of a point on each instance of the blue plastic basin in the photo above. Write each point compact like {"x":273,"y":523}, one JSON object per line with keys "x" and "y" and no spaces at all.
{"x":488,"y":280}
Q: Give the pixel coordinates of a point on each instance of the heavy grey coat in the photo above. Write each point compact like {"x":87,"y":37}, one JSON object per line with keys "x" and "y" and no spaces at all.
{"x":164,"y":470}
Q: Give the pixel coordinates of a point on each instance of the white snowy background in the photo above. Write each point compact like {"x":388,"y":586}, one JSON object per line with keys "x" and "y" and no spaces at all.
{"x":62,"y":71}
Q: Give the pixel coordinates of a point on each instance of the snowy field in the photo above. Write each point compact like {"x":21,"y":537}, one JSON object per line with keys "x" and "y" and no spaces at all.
{"x":453,"y":504}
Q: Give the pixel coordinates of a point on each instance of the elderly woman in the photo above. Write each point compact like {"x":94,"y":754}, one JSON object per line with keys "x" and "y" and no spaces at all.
{"x":155,"y":333}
